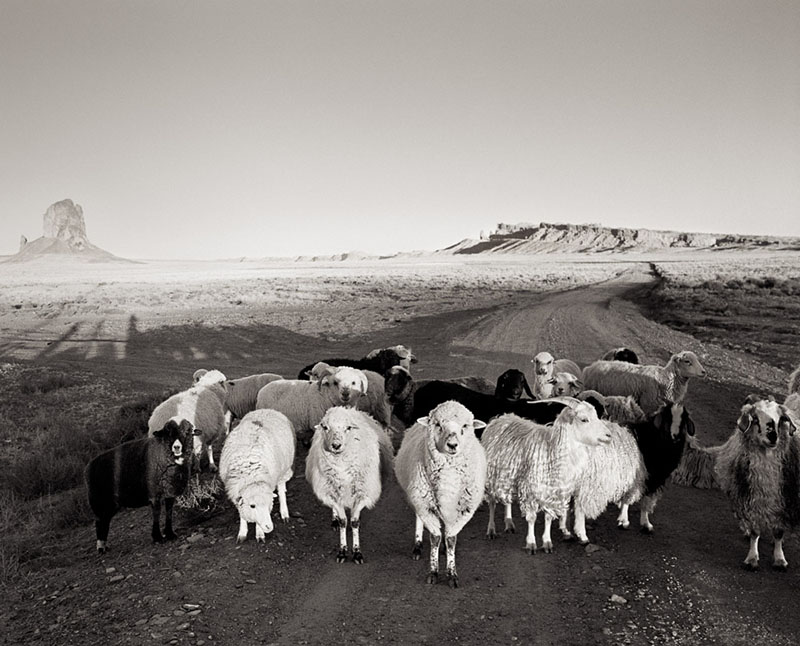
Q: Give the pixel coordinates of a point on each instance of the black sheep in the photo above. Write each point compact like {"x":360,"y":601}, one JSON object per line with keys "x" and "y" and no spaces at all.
{"x":380,"y":361}
{"x":661,"y":441}
{"x":484,"y":407}
{"x":138,"y":473}
{"x":511,"y":384}
{"x":621,"y":354}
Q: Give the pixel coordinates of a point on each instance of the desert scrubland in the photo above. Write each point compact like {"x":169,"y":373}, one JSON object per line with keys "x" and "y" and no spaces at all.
{"x":86,"y":350}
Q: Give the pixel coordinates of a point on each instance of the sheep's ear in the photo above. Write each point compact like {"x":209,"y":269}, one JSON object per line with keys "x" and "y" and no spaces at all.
{"x":424,"y":421}
{"x":786,"y":423}
{"x":373,"y":354}
{"x":170,"y":427}
{"x":687,"y":421}
{"x":238,"y":502}
{"x":411,"y":356}
{"x":478,"y":424}
{"x":578,"y":384}
{"x":197,"y":432}
{"x":752,"y":398}
{"x":364,"y":383}
{"x":745,"y":419}
{"x":186,"y":427}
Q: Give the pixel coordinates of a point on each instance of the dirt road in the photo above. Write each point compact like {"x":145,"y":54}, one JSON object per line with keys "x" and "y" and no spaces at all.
{"x":683,"y":585}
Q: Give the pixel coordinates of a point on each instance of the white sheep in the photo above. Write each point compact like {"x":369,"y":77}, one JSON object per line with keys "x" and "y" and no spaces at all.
{"x":441,"y":467}
{"x":305,"y":402}
{"x":615,"y":473}
{"x":242,"y":395}
{"x":203,"y":405}
{"x":652,"y":386}
{"x":566,"y":384}
{"x":256,"y":460}
{"x":374,"y":400}
{"x":538,"y":466}
{"x":545,"y":368}
{"x":350,"y":456}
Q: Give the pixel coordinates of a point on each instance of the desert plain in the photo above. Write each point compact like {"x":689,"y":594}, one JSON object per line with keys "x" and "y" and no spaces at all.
{"x":79,"y":341}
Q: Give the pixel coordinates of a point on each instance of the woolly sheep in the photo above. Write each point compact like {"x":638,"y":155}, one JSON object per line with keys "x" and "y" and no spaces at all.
{"x":145,"y":471}
{"x":203,"y":405}
{"x":380,"y":361}
{"x":621,"y":354}
{"x":758,"y":468}
{"x":652,"y":386}
{"x":615,"y":408}
{"x":256,"y":460}
{"x":374,"y":401}
{"x":661,"y":440}
{"x":538,"y":466}
{"x":545,"y":367}
{"x":305,"y":402}
{"x":441,"y":467}
{"x":473,"y":382}
{"x":349,"y":458}
{"x":242,"y":394}
{"x":511,"y":385}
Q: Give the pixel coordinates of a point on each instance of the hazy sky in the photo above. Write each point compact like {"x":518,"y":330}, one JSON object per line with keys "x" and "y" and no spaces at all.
{"x":196,"y":129}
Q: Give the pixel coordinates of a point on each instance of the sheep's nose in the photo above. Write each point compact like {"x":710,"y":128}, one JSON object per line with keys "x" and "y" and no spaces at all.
{"x":772,"y":437}
{"x":452,"y":444}
{"x":336,"y":445}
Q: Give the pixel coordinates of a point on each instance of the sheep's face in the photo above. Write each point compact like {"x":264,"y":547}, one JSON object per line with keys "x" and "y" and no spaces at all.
{"x":405,"y":356}
{"x":543,"y":364}
{"x":675,"y":419}
{"x":567,"y":385}
{"x":450,"y":424}
{"x":588,"y":428}
{"x":689,"y":365}
{"x":337,"y":429}
{"x":350,"y":384}
{"x":764,"y":422}
{"x":178,"y":435}
{"x":510,"y":385}
{"x":255,"y":505}
{"x":198,"y":374}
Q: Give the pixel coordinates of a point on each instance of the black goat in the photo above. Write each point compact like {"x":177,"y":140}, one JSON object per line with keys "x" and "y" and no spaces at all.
{"x":380,"y":361}
{"x":511,"y":384}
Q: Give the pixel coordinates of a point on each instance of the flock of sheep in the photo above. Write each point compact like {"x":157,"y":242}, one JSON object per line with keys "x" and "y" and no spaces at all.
{"x":613,"y":432}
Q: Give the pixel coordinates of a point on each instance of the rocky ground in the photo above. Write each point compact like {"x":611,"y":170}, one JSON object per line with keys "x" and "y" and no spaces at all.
{"x":683,"y":585}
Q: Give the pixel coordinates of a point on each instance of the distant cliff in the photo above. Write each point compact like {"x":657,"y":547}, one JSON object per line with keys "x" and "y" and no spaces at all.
{"x":594,"y":238}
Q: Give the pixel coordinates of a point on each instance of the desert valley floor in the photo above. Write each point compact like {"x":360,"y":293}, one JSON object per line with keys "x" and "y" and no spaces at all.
{"x":144,"y":328}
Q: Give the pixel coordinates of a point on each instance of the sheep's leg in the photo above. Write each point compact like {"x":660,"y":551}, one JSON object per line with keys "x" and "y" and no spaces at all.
{"x":779,"y":561}
{"x":563,"y":524}
{"x":416,"y":554}
{"x":284,"y":507}
{"x":228,"y":422}
{"x":622,"y":519}
{"x":355,"y":526}
{"x":450,"y":546}
{"x":509,"y":521}
{"x":211,"y":466}
{"x":491,"y":532}
{"x":168,"y":533}
{"x":341,"y":557}
{"x":101,"y":526}
{"x":436,"y":541}
{"x":530,"y":539}
{"x":547,"y":542}
{"x":646,"y":507}
{"x":580,"y":525}
{"x":334,"y":520}
{"x":751,"y":562}
{"x":155,"y":506}
{"x":242,"y":535}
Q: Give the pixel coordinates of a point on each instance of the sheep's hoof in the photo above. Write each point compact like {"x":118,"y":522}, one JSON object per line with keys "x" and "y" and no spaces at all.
{"x":452,"y":580}
{"x":547,"y":548}
{"x":285,"y":519}
{"x":241,"y":538}
{"x":212,"y":468}
{"x":433,"y":578}
{"x":622,"y":525}
{"x":335,"y":523}
{"x":583,"y":541}
{"x":341,"y":557}
{"x":358,"y":557}
{"x":568,"y":537}
{"x":751,"y":566}
{"x":170,"y":535}
{"x":646,"y":529}
{"x":416,"y":553}
{"x":780,"y":566}
{"x":530,"y":549}
{"x":491,"y":534}
{"x":261,"y":539}
{"x":157,"y":538}
{"x":101,"y":550}
{"x":510,"y":528}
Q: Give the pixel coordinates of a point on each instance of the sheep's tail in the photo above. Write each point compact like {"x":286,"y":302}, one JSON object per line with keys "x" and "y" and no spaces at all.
{"x":696,"y":468}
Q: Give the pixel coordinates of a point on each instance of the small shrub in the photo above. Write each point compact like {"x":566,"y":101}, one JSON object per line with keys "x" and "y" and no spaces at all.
{"x":38,"y":384}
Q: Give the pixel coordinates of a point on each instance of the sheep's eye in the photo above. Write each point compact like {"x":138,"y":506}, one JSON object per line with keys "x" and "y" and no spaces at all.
{"x":585,"y":420}
{"x":252,"y":506}
{"x":348,"y":428}
{"x":770,"y":425}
